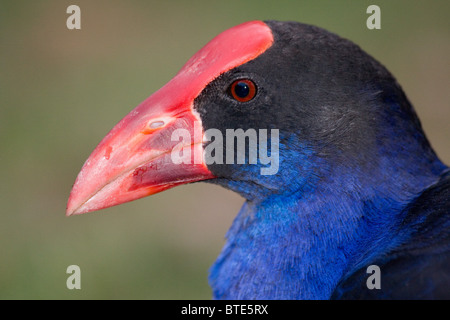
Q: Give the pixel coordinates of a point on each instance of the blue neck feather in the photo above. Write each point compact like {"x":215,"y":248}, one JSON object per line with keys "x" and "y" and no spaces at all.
{"x":299,"y":234}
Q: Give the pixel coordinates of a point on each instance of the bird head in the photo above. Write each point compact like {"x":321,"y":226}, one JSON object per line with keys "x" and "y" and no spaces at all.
{"x":312,"y":100}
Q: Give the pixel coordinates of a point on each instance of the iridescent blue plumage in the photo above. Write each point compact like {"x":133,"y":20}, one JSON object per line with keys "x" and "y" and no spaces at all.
{"x":303,"y":244}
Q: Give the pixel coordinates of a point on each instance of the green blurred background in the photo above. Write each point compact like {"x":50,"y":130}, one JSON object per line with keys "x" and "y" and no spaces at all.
{"x":61,"y":91}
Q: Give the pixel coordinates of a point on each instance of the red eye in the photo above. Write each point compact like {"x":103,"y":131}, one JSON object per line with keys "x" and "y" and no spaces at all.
{"x":243,"y":90}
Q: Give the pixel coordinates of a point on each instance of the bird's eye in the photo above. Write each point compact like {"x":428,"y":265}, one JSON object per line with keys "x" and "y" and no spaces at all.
{"x":243,"y":90}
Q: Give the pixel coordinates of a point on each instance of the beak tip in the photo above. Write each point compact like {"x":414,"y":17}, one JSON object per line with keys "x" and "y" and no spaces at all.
{"x":74,"y":212}
{"x":70,"y":211}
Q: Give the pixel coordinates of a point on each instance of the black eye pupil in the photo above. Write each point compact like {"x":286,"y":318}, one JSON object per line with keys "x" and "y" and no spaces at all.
{"x":242,"y":89}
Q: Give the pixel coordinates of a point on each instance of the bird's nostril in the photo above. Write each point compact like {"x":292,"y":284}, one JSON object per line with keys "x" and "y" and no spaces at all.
{"x":156,"y":124}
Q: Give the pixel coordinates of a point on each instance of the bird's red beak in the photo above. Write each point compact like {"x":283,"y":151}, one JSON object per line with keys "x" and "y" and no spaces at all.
{"x":136,"y":158}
